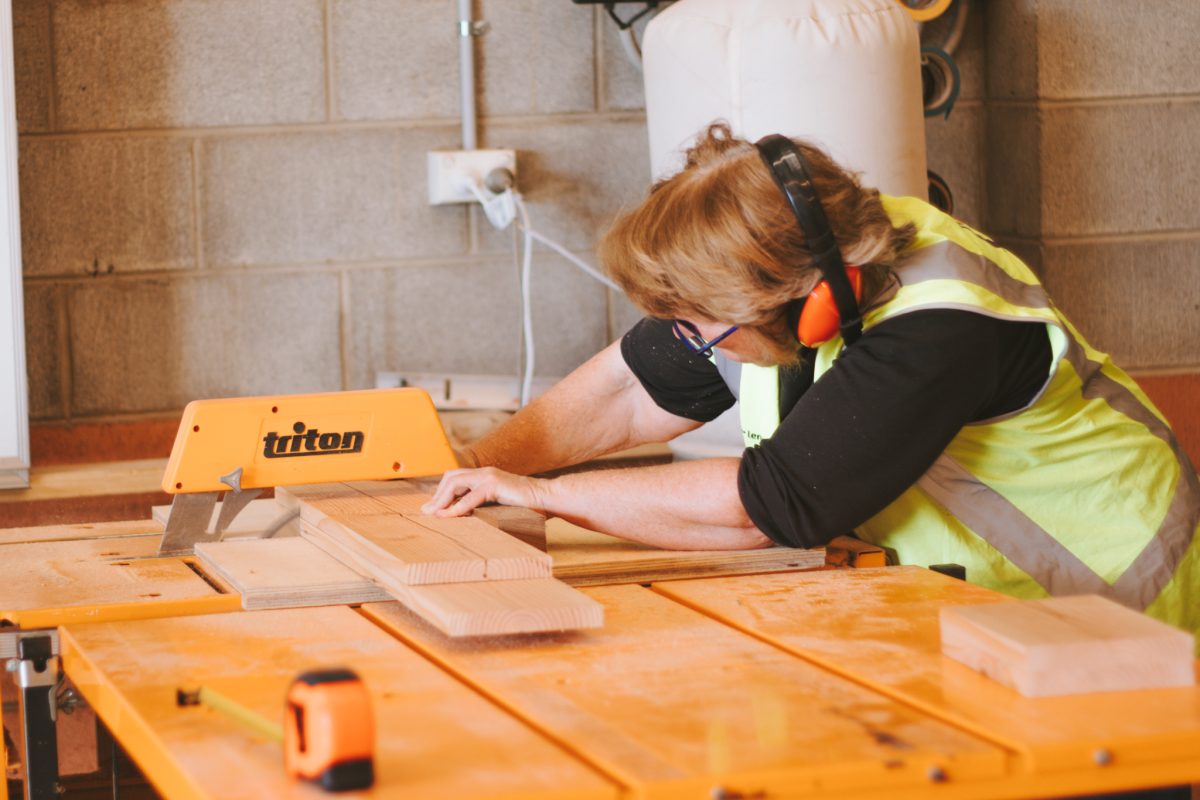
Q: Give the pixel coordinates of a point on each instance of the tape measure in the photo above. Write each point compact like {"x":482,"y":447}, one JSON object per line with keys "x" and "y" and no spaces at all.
{"x":328,"y":734}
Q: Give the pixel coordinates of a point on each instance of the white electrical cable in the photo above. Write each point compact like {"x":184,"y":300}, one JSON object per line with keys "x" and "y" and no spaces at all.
{"x":526,"y":301}
{"x":578,"y":262}
{"x":501,"y":211}
{"x":629,"y":43}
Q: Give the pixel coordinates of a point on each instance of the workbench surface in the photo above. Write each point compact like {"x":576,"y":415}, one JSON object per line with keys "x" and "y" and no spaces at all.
{"x":825,"y":684}
{"x":813,"y":684}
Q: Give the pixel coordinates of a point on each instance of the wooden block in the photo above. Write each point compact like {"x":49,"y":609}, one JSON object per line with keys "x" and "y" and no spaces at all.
{"x":251,"y":522}
{"x":480,"y":608}
{"x":496,"y":608}
{"x":1067,"y":645}
{"x":286,"y":573}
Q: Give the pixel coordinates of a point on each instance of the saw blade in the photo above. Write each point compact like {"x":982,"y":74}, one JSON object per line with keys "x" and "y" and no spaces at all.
{"x":188,"y":523}
{"x":280,"y":521}
{"x":233,"y":503}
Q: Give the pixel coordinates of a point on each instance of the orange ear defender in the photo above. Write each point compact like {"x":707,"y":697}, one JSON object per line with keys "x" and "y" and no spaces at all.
{"x":833,"y":305}
{"x":328,"y":732}
{"x":819,"y":317}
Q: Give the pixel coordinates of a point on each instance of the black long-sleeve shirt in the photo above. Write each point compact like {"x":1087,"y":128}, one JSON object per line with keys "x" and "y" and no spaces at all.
{"x":869,"y":428}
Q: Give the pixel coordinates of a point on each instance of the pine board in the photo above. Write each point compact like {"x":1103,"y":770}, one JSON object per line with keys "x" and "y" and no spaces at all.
{"x":286,"y":573}
{"x":473,"y":608}
{"x":587,"y":558}
{"x":1068,"y":645}
{"x":386,"y":528}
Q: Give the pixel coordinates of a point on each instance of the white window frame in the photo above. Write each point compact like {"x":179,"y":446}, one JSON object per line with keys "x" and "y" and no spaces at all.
{"x":14,"y":386}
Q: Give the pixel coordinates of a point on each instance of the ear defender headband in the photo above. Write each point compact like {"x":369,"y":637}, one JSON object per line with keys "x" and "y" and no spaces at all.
{"x":833,"y":305}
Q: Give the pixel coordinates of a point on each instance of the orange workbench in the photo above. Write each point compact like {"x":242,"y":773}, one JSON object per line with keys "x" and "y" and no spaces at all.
{"x":805,"y":684}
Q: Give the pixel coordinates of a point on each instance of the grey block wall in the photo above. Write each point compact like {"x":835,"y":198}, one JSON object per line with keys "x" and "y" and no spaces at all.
{"x":1093,"y":166}
{"x":227,"y":198}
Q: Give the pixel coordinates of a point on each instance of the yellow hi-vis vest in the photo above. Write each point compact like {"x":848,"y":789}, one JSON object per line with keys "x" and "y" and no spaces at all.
{"x":1084,"y":490}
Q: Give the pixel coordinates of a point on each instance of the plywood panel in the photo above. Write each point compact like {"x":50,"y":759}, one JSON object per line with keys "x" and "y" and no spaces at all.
{"x":435,"y":737}
{"x":880,"y":627}
{"x":675,"y":704}
{"x":286,"y":573}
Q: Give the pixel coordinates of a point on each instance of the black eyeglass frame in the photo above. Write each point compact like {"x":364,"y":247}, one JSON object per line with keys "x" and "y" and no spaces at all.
{"x":690,"y":335}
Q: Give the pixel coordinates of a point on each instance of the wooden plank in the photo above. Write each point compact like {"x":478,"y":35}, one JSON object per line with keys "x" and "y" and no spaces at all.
{"x":286,"y":573}
{"x":1068,"y":645}
{"x":505,"y":556}
{"x":880,"y":628}
{"x":370,"y":533}
{"x":675,"y":704}
{"x":251,"y":522}
{"x":587,"y":558}
{"x":435,"y":738}
{"x":381,"y":522}
{"x":475,"y":608}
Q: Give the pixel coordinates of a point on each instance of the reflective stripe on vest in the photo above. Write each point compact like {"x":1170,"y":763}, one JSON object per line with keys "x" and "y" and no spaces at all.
{"x":1089,"y":430}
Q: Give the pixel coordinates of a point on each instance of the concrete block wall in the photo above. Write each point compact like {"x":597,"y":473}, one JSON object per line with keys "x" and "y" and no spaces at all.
{"x":226,"y":198}
{"x":1093,"y":167}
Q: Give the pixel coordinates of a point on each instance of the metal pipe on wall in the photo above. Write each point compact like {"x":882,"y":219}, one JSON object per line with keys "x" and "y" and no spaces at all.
{"x":466,"y":74}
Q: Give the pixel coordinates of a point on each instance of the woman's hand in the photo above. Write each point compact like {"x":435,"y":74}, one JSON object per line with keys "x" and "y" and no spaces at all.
{"x":462,"y":490}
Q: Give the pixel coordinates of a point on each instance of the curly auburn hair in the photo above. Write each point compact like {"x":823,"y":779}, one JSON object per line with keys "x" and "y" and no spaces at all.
{"x":718,"y":242}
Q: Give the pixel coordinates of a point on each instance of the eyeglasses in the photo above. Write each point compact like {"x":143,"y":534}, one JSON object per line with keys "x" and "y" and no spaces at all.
{"x":690,"y":335}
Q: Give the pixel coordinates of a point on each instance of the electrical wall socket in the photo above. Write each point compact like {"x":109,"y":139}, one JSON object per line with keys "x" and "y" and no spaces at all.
{"x":448,"y":168}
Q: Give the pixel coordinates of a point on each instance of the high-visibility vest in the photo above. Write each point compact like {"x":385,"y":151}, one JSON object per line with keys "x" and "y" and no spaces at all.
{"x":1084,"y":490}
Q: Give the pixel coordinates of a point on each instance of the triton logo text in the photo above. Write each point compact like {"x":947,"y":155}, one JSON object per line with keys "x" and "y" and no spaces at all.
{"x":311,"y":442}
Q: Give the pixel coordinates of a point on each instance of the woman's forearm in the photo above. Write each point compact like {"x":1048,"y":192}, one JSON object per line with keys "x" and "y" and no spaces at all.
{"x":597,"y":409}
{"x":688,"y":505}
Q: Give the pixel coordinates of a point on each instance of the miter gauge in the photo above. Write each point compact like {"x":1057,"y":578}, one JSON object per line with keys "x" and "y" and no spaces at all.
{"x":240,"y":446}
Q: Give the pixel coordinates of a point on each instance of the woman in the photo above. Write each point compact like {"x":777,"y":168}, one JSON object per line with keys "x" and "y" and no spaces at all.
{"x":968,"y":422}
